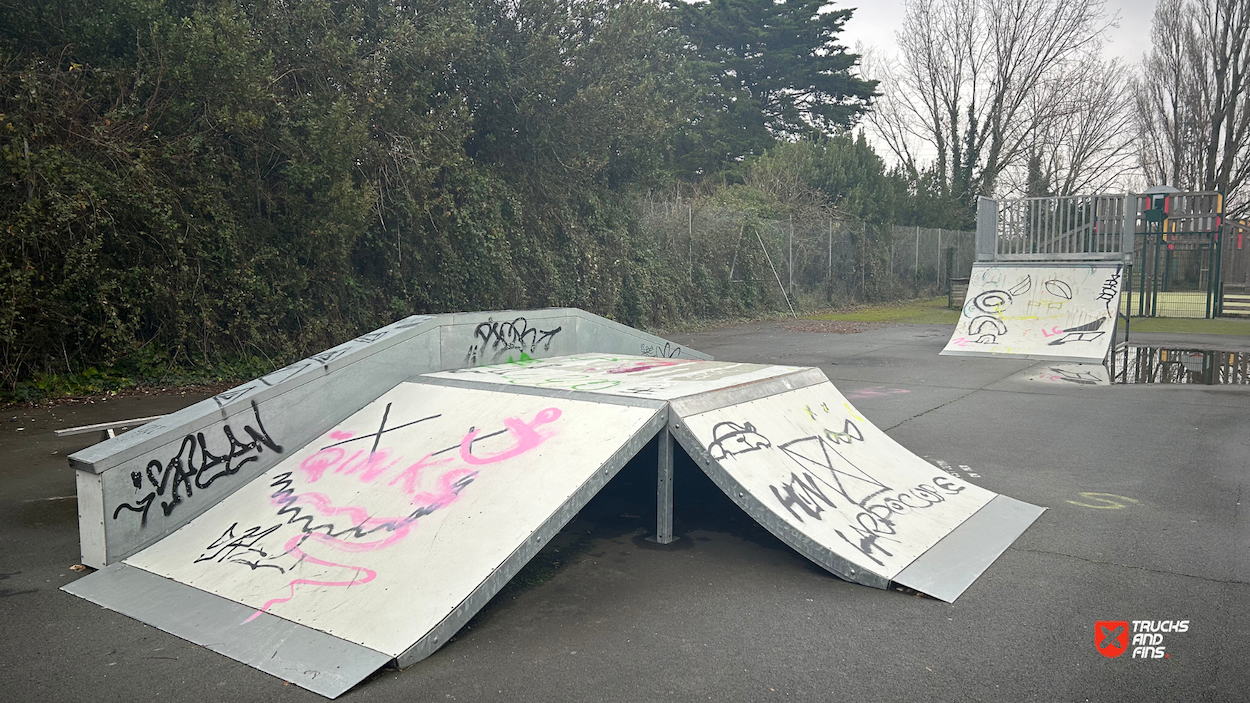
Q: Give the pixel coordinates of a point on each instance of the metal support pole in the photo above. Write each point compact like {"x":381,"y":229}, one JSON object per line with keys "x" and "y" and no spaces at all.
{"x":829,"y":273}
{"x":776,"y":275}
{"x":664,"y":488}
{"x":790,"y":254}
{"x":734,"y":262}
{"x":1154,"y":276}
{"x":690,"y":242}
{"x":1128,"y":308}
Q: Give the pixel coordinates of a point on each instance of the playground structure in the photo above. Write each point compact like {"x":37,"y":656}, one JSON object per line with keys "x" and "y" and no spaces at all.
{"x":359,"y":507}
{"x":1182,"y":258}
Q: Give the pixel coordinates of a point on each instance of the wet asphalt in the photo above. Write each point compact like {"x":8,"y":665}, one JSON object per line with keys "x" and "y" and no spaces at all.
{"x":1143,"y":485}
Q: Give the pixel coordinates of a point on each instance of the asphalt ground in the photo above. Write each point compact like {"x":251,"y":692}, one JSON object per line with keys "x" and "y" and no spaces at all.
{"x":1143,"y":486}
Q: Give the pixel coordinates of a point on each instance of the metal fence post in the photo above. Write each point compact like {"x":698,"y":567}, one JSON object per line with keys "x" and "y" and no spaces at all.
{"x":987,"y":228}
{"x":690,"y":242}
{"x":863,"y":259}
{"x":829,"y":273}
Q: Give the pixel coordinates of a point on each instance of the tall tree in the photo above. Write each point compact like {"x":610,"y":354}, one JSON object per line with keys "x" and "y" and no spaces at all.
{"x":1084,"y":138}
{"x":1193,"y":98}
{"x":965,"y":91}
{"x":768,"y":69}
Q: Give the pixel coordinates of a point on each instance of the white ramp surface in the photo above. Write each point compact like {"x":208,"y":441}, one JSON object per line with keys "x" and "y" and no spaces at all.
{"x":825,"y":480}
{"x":787,"y":447}
{"x":617,"y":375}
{"x":384,"y":535}
{"x":381,"y":527}
{"x":1039,"y":311}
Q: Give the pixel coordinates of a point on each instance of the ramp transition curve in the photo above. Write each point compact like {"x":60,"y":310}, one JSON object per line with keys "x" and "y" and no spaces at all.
{"x":1058,"y":312}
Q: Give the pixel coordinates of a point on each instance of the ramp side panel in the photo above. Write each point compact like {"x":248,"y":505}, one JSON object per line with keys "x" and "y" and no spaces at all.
{"x":951,"y":565}
{"x":836,"y":488}
{"x":1056,"y":312}
{"x":379,"y":528}
{"x":602,"y":334}
{"x":623,"y":375}
{"x":158,"y":492}
{"x":206,"y":413}
{"x":311,"y":659}
{"x":480,"y":339}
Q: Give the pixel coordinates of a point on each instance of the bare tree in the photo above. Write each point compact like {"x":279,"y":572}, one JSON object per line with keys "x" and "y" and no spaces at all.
{"x":1084,"y":138}
{"x":968,"y":81}
{"x":1192,"y":100}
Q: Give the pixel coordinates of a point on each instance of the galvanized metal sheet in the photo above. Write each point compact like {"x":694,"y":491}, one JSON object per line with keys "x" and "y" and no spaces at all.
{"x":622,"y":375}
{"x":825,"y":480}
{"x":314,"y":660}
{"x":951,"y":565}
{"x":152,"y":435}
{"x":159,"y":476}
{"x":487,"y":589}
{"x":1057,"y":312}
{"x":603,"y":335}
{"x":382,"y":526}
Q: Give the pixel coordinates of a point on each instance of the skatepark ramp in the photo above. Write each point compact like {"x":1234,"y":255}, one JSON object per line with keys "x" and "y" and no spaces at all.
{"x":380,"y":536}
{"x":1048,"y":311}
{"x":142,"y":485}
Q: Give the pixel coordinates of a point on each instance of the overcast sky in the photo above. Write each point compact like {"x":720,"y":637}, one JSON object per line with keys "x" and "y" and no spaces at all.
{"x":875,"y":22}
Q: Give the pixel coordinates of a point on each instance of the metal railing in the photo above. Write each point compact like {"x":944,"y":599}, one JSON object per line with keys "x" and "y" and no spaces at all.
{"x":1064,"y":228}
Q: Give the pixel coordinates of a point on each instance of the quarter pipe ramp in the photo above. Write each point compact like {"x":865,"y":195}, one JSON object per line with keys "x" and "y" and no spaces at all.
{"x":1058,"y":312}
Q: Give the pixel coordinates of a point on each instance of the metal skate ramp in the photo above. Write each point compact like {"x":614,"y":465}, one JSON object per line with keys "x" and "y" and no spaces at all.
{"x":382,"y":537}
{"x":1057,"y":312}
{"x":379,"y":539}
{"x":788,"y":448}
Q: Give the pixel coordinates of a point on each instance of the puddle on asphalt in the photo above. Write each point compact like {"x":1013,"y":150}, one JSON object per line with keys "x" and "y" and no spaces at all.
{"x":1160,"y":365}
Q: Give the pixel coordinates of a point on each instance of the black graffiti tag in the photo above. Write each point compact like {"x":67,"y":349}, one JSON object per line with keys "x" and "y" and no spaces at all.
{"x":196,"y":466}
{"x":502,"y":337}
{"x":730,"y":439}
{"x":667,"y":351}
{"x":238,"y":548}
{"x":1110,"y":289}
{"x":827,"y":476}
{"x":1087,"y":332}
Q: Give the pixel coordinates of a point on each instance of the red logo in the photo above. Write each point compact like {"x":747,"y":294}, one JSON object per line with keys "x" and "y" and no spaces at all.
{"x":1111,"y":637}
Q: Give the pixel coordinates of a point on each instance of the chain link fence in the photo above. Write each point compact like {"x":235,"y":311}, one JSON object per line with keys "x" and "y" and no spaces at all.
{"x":810,"y":259}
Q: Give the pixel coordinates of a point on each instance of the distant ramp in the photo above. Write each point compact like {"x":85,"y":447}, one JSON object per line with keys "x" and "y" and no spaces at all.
{"x":1052,"y":312}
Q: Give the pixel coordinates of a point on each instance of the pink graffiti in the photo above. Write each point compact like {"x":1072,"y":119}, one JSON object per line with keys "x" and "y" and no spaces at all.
{"x":526,"y":438}
{"x":412,"y":474}
{"x":293,"y":547}
{"x":1053,"y":331}
{"x":637,"y":366}
{"x":339,"y":434}
{"x":316,"y":465}
{"x":446,"y":491}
